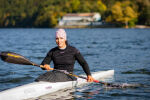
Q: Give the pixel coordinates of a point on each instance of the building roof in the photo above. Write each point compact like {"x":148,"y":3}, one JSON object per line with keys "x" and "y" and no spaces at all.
{"x":80,"y":14}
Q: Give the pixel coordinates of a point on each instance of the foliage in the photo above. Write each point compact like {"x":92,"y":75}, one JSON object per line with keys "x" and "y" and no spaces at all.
{"x":123,"y":12}
{"x":144,"y":11}
{"x":46,"y":13}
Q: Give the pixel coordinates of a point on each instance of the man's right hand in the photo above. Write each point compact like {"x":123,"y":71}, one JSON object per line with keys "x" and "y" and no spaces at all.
{"x":47,"y":67}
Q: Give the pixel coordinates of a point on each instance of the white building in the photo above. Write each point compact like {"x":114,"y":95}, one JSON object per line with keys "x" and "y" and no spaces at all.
{"x":86,"y":19}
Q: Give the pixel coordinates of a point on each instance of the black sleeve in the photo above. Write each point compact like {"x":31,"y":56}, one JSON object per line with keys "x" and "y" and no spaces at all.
{"x":82,"y":62}
{"x":47,"y":59}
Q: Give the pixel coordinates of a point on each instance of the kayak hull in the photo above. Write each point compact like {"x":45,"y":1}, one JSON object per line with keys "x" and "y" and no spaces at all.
{"x":36,"y":89}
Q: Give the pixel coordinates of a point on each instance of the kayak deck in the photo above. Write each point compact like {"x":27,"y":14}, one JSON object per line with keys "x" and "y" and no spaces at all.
{"x":37,"y":89}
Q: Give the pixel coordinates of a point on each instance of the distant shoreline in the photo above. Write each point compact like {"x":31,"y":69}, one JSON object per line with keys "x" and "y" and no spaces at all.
{"x":101,"y":26}
{"x":141,"y":26}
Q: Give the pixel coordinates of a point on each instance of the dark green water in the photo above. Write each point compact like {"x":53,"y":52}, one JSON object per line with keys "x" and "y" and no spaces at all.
{"x":127,"y":51}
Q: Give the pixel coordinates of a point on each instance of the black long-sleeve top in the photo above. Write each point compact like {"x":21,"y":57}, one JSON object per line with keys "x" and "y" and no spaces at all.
{"x":64,"y":59}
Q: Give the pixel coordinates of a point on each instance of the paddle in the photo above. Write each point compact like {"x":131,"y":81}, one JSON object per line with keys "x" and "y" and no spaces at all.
{"x":11,"y":57}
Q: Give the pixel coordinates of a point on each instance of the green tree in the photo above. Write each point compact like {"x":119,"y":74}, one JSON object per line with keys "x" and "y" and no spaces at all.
{"x":45,"y":13}
{"x":75,"y":5}
{"x":144,"y":11}
{"x":85,"y":6}
{"x":101,"y":6}
{"x":123,"y":12}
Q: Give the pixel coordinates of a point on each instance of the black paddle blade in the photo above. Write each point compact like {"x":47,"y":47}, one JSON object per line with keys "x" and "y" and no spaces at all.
{"x":11,"y":57}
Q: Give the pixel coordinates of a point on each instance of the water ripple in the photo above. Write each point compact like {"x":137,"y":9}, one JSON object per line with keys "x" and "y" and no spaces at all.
{"x":138,"y":71}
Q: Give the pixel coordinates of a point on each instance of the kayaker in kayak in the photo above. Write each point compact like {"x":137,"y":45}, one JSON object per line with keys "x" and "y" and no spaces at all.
{"x":63,"y":57}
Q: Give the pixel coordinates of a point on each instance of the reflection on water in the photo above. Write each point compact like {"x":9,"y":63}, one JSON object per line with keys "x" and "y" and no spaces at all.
{"x":87,"y":91}
{"x":69,"y":94}
{"x":138,"y":71}
{"x":66,"y":94}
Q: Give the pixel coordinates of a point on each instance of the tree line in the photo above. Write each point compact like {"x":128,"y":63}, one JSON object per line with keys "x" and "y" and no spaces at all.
{"x":47,"y":13}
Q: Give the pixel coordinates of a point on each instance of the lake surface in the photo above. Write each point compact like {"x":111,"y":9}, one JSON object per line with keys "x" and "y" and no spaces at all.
{"x":127,"y":51}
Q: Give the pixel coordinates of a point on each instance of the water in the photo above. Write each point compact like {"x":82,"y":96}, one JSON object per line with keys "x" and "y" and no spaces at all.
{"x":127,"y":51}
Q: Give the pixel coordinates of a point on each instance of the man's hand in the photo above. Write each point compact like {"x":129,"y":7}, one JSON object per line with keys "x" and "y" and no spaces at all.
{"x":90,"y":78}
{"x":47,"y":67}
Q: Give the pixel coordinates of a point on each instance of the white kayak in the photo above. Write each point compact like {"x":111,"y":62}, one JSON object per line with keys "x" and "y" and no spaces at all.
{"x":36,"y":89}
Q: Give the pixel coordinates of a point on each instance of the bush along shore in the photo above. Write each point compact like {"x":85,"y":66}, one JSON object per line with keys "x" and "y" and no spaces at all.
{"x":47,"y":13}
